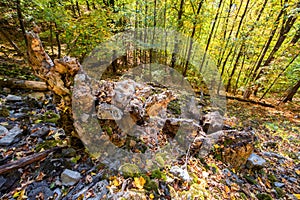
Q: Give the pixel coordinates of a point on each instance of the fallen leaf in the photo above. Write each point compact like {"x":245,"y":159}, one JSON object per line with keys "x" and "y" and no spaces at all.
{"x":139,"y":182}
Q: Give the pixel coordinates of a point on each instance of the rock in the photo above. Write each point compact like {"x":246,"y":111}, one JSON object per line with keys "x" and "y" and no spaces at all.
{"x":129,"y":170}
{"x":57,"y":193}
{"x":13,"y":98}
{"x":213,"y":122}
{"x":182,"y":173}
{"x":107,"y":111}
{"x":3,"y":130}
{"x":231,"y":177}
{"x":69,"y":152}
{"x":100,"y":189}
{"x":272,"y":154}
{"x":41,"y":132}
{"x":278,"y":184}
{"x":255,"y":162}
{"x":39,"y":96}
{"x":69,"y":177}
{"x":2,"y":181}
{"x":39,"y":189}
{"x":11,"y":136}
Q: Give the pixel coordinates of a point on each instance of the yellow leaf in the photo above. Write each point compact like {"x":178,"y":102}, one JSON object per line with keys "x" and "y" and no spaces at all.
{"x":116,"y":182}
{"x":227,"y":190}
{"x":216,"y":146}
{"x":298,"y":171}
{"x":151,"y":196}
{"x":139,"y":182}
{"x":16,"y":194}
{"x":297,"y":196}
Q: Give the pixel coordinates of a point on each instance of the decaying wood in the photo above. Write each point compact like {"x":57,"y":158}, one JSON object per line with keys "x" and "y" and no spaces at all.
{"x":23,"y":84}
{"x":58,"y":75}
{"x":251,"y":101}
{"x":26,"y":160}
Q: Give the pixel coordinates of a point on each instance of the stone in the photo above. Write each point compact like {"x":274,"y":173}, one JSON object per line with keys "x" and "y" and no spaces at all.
{"x":272,"y":154}
{"x":255,"y":162}
{"x":213,"y":122}
{"x":11,"y":136}
{"x":3,"y":130}
{"x":2,"y":181}
{"x":180,"y":172}
{"x":39,"y":96}
{"x":39,"y":188}
{"x":278,"y":184}
{"x":13,"y":98}
{"x":129,"y":170}
{"x":100,"y":189}
{"x":58,"y":194}
{"x":108,"y":111}
{"x":69,"y":177}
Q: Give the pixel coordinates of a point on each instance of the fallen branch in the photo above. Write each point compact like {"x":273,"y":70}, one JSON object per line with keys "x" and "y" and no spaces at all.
{"x":251,"y":101}
{"x":23,"y":84}
{"x":26,"y":160}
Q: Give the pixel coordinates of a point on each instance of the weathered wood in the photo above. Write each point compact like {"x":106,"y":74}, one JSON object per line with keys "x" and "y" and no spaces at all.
{"x":26,"y":160}
{"x":58,"y":75}
{"x":23,"y":84}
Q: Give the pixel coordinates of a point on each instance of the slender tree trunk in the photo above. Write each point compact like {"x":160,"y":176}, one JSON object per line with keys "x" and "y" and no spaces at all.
{"x":179,"y":26}
{"x":279,"y":75}
{"x":78,"y":8}
{"x":236,"y":36}
{"x":73,"y":8}
{"x":228,"y":40}
{"x":192,"y":37}
{"x":21,"y":21}
{"x":266,"y":47}
{"x":12,"y":43}
{"x":239,"y":75}
{"x":51,"y":39}
{"x":296,"y":37}
{"x":286,"y":27}
{"x":87,"y":5}
{"x":291,"y":93}
{"x":210,"y":35}
{"x":57,"y":41}
{"x":233,"y":69}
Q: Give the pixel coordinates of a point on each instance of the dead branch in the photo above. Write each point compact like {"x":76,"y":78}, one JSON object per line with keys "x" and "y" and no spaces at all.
{"x":26,"y":160}
{"x":23,"y":84}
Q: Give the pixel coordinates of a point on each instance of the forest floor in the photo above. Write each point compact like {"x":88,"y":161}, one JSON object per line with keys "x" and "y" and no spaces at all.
{"x":32,"y":117}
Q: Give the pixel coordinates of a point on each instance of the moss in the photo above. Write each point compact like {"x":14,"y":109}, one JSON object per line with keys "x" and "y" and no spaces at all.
{"x":46,"y":145}
{"x":4,"y":112}
{"x":250,"y":179}
{"x":158,"y":174}
{"x":50,"y":117}
{"x":174,"y":107}
{"x":280,"y":192}
{"x":272,"y":178}
{"x":243,"y":196}
{"x":263,"y":196}
{"x":130,"y":170}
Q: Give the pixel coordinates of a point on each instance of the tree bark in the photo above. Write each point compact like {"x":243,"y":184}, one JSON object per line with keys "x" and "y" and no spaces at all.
{"x":21,"y":21}
{"x":14,"y":45}
{"x":26,"y":160}
{"x":291,"y":93}
{"x":58,"y":75}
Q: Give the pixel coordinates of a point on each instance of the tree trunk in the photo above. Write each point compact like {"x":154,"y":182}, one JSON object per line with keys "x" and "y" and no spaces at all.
{"x":291,"y":93}
{"x":87,"y":5}
{"x":21,"y":21}
{"x":278,"y":76}
{"x":57,"y":41}
{"x":78,"y":8}
{"x":191,"y":38}
{"x":14,"y":45}
{"x":286,"y":27}
{"x":58,"y":74}
{"x":210,"y":35}
{"x":179,"y":26}
{"x":266,"y":47}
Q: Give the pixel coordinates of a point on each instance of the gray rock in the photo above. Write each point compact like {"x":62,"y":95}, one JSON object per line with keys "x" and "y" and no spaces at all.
{"x":180,"y":172}
{"x":69,"y":177}
{"x":2,"y":181}
{"x":213,"y":122}
{"x":278,"y":184}
{"x":255,"y":162}
{"x":11,"y":97}
{"x":3,"y":130}
{"x":100,"y":189}
{"x":58,"y":193}
{"x":11,"y":136}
